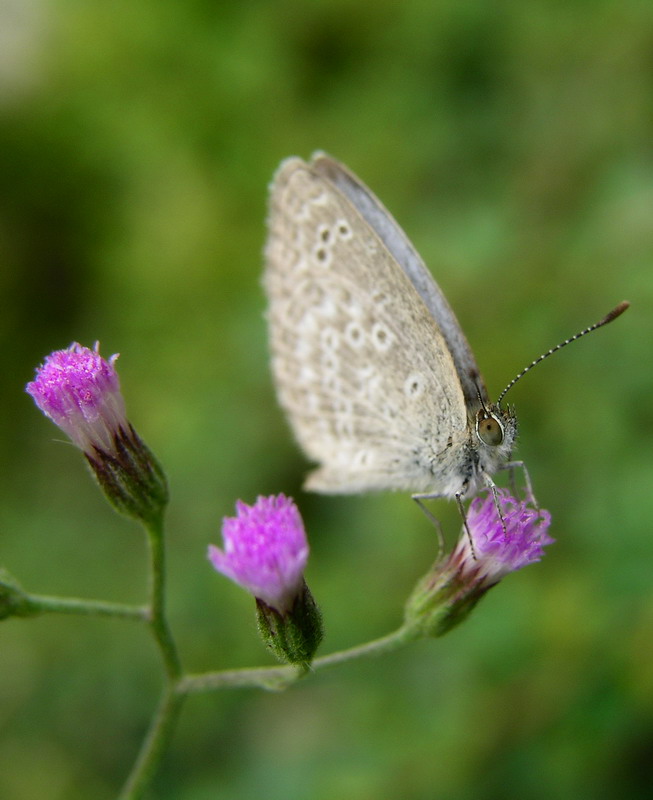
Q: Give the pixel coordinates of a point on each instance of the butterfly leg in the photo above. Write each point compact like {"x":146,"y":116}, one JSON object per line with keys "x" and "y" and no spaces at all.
{"x":530,"y":495}
{"x":459,"y":501}
{"x":433,"y":519}
{"x":461,"y":508}
{"x":491,"y":485}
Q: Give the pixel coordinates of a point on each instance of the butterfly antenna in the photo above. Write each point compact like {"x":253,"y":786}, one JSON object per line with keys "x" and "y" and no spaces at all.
{"x":480,"y":398}
{"x":616,"y":312}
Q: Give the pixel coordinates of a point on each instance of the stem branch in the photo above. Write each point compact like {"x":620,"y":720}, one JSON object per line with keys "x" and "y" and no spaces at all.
{"x":165,"y":719}
{"x":44,"y":604}
{"x":157,"y":616}
{"x":278,"y":678}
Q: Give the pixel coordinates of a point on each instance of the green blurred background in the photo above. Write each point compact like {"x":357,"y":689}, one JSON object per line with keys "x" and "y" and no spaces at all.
{"x":513,"y":142}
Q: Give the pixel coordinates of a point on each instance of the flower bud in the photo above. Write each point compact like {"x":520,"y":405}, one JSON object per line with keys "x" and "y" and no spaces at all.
{"x":492,"y":545}
{"x":293,"y":637}
{"x":80,"y":392}
{"x":265,"y":552}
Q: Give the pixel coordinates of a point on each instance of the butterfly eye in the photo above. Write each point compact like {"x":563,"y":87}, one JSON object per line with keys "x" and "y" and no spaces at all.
{"x":489,"y":429}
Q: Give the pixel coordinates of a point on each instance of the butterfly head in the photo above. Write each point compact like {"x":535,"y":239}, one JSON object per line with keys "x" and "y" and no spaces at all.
{"x":496,"y":430}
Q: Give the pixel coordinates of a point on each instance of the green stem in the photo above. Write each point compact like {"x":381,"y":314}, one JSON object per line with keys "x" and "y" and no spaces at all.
{"x":385,"y":644}
{"x":155,"y":743}
{"x":46,"y":604}
{"x":157,"y":618}
{"x":165,"y":719}
{"x":277,"y":678}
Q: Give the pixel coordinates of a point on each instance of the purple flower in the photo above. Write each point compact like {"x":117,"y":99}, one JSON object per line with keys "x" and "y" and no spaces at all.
{"x":80,"y":392}
{"x":501,"y":544}
{"x":492,"y":546}
{"x":265,"y":550}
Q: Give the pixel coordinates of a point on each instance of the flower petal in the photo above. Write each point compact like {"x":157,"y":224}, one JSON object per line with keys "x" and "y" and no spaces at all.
{"x":265,"y":550}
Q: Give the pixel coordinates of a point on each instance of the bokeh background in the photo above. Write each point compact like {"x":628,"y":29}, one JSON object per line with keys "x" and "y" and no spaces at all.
{"x":512,"y":141}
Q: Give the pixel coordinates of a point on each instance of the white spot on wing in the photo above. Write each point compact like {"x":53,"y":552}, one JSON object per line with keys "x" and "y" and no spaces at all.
{"x":382,"y":338}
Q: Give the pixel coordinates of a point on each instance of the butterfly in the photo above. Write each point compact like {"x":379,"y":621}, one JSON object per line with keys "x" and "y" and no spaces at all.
{"x":371,"y":366}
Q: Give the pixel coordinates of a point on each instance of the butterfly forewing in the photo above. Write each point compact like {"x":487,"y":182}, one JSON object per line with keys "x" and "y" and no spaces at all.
{"x":361,"y":367}
{"x":401,"y":248}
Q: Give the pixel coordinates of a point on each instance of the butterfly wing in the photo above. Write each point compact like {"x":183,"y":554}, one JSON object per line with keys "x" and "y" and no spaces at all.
{"x":398,"y":244}
{"x":362,"y":369}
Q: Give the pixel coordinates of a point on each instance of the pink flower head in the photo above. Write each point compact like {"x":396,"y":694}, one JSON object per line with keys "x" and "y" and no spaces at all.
{"x":501,"y":544}
{"x":496,"y":541}
{"x":80,"y":392}
{"x":265,"y":550}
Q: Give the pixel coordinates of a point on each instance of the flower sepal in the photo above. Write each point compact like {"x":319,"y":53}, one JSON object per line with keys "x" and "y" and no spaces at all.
{"x":441,"y":600}
{"x":131,"y":478}
{"x":295,"y":635}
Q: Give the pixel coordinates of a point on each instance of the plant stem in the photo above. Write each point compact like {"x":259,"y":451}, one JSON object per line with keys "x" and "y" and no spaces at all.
{"x":44,"y":604}
{"x":385,"y":644}
{"x":278,"y":678}
{"x":165,"y":719}
{"x":157,"y":615}
{"x":155,"y":743}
